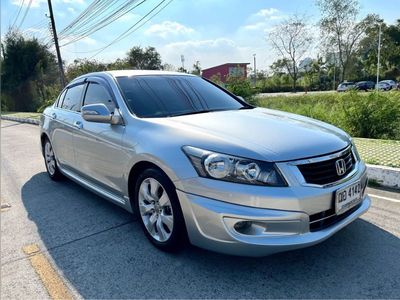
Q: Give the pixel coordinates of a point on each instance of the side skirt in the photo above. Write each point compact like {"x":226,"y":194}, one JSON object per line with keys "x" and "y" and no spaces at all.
{"x":120,"y":201}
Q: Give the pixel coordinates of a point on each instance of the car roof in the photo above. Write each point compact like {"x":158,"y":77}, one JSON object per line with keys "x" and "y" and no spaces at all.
{"x":123,"y":73}
{"x":119,"y":73}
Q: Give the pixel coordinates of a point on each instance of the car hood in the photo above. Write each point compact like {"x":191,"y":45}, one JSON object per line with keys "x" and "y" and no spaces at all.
{"x":274,"y":135}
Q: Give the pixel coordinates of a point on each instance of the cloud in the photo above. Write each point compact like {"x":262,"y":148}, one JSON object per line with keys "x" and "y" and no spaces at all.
{"x":88,"y":41}
{"x":71,"y":10}
{"x":169,"y":28}
{"x":80,"y":2}
{"x":34,"y":4}
{"x":38,"y":3}
{"x":267,"y":12}
{"x":263,"y":19}
{"x":128,"y":17}
{"x":209,"y":51}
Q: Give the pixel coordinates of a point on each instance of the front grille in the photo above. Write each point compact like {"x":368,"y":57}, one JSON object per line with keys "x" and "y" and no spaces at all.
{"x":327,"y":218}
{"x":324,"y":172}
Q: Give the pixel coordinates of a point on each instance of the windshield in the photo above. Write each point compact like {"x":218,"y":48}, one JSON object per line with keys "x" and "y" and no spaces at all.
{"x":151,"y":96}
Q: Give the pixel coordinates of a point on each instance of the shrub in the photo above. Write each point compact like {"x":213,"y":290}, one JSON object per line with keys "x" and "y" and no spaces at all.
{"x":374,"y":116}
{"x":241,"y":87}
{"x":369,"y":115}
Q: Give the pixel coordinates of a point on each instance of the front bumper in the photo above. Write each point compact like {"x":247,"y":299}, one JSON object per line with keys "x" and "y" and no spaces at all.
{"x":279,"y":217}
{"x":210,"y":225}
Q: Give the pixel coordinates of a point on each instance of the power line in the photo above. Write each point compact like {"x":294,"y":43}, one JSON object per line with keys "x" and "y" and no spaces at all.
{"x":79,"y":17}
{"x":19,"y":11}
{"x":106,"y":20}
{"x":132,"y":28}
{"x":26,"y":12}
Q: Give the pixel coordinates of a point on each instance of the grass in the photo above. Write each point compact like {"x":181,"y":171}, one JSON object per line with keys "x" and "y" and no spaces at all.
{"x":368,"y":115}
{"x":25,"y":115}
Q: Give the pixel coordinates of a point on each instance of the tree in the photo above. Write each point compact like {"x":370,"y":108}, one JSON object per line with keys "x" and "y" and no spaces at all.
{"x":182,"y":70}
{"x":340,"y":29}
{"x":144,"y":59}
{"x":84,"y":66}
{"x":278,"y":67}
{"x":196,"y":68}
{"x":168,"y":67}
{"x":28,"y":69}
{"x":291,"y":39}
{"x":390,"y":51}
{"x":118,"y":64}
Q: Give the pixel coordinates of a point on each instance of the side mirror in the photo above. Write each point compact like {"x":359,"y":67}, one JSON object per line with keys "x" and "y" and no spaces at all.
{"x":101,"y":114}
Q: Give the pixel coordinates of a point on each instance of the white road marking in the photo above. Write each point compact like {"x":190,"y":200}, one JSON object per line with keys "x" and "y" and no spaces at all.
{"x":385,"y":198}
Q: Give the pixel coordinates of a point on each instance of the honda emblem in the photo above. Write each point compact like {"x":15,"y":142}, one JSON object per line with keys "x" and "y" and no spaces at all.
{"x":340,"y":167}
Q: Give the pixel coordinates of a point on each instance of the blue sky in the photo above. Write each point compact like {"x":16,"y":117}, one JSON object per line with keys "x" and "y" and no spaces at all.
{"x":209,"y":31}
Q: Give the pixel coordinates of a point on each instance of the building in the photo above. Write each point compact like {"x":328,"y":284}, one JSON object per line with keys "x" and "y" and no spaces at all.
{"x":226,"y":70}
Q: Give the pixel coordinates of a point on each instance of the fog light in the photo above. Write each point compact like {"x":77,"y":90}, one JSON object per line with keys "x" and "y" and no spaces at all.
{"x":250,"y":227}
{"x":242,"y":226}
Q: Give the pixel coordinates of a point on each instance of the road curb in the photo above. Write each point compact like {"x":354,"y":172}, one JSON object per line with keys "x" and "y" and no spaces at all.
{"x":385,"y":176}
{"x":21,"y":120}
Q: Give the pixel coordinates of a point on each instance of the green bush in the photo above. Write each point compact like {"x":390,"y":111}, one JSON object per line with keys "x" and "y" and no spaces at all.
{"x":241,"y":87}
{"x":50,"y":94}
{"x":369,"y":115}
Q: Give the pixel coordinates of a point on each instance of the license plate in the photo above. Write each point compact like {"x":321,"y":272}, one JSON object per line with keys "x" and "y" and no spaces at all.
{"x":348,"y":197}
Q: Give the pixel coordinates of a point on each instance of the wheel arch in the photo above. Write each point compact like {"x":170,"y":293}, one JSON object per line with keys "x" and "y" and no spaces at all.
{"x":134,"y":173}
{"x":43,"y":137}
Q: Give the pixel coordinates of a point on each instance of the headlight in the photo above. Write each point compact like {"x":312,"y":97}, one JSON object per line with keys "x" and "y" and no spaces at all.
{"x":235,"y":169}
{"x":355,"y":152}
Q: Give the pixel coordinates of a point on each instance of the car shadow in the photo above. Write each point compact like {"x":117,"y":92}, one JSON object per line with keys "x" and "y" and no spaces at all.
{"x":101,"y":251}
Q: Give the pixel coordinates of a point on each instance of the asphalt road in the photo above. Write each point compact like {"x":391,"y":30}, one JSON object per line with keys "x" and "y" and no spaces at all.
{"x":99,"y":250}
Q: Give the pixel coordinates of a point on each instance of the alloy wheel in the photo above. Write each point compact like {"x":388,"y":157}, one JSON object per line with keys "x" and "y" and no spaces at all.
{"x":50,"y":158}
{"x":155,"y":209}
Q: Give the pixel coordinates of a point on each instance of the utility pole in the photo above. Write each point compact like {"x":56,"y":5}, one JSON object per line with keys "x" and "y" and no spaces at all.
{"x":53,"y":27}
{"x":255,"y":71}
{"x":183,"y":61}
{"x":379,"y":55}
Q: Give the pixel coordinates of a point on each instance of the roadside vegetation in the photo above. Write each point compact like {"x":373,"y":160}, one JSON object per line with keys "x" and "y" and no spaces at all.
{"x":369,"y":115}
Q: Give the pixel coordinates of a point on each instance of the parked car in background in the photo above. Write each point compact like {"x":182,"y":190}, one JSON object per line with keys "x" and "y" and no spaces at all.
{"x":345,"y":86}
{"x":365,"y":85}
{"x":392,"y":84}
{"x":193,"y":160}
{"x":383,"y":86}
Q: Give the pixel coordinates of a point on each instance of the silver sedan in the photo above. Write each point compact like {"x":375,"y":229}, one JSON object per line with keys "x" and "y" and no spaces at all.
{"x":198,"y":163}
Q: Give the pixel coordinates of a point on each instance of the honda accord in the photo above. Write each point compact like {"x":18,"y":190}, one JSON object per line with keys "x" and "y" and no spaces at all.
{"x":196,"y":162}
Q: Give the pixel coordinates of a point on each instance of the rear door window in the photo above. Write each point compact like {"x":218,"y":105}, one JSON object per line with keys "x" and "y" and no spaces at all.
{"x":73,"y":97}
{"x":60,"y":98}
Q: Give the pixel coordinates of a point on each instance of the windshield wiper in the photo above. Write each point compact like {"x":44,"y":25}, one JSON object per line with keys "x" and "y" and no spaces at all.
{"x":246,"y":107}
{"x":196,"y":112}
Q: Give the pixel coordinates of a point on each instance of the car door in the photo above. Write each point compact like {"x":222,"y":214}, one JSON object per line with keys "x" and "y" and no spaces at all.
{"x":98,"y":151}
{"x":64,"y":117}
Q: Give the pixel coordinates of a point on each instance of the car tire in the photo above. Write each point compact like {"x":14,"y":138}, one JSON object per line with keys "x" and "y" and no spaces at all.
{"x":158,"y":210}
{"x":50,"y":161}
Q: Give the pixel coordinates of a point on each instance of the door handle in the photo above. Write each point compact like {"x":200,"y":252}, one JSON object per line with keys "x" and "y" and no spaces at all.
{"x":54,"y":116}
{"x":78,"y":124}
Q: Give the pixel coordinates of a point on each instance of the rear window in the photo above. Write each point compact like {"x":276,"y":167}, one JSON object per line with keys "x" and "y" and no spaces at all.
{"x":170,"y":95}
{"x":72,"y":99}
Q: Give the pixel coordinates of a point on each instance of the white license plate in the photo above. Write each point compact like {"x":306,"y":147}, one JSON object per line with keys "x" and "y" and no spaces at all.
{"x":348,"y":197}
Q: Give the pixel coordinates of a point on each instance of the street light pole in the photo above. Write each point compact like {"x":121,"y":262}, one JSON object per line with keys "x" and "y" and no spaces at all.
{"x":255,"y":71}
{"x":379,"y":55}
